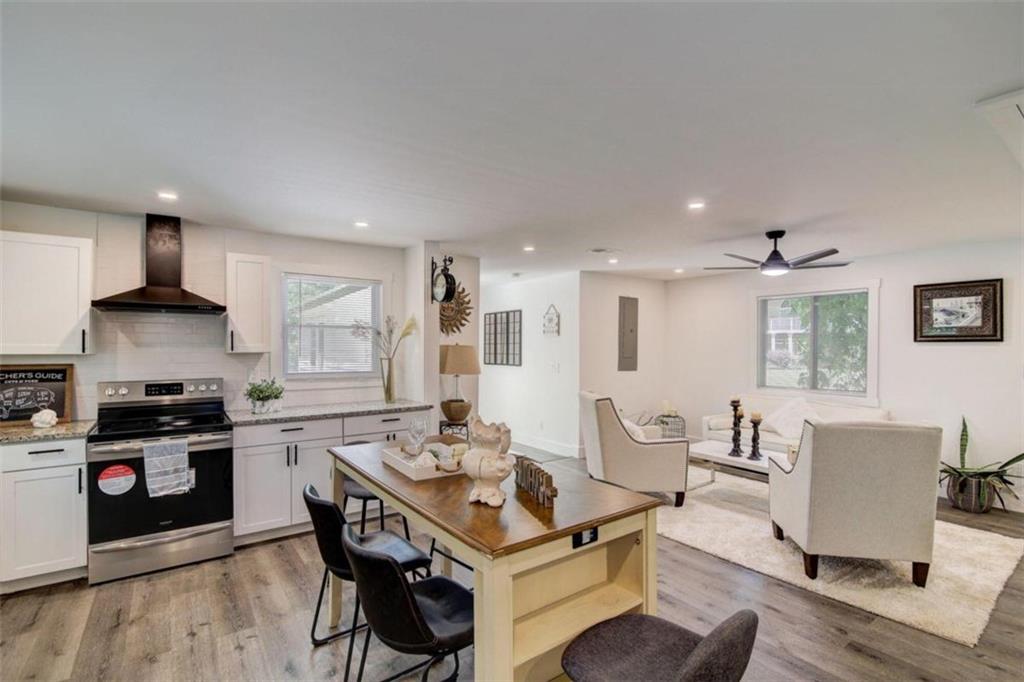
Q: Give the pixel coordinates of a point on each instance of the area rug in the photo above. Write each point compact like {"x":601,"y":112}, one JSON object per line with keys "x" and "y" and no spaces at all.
{"x":729,"y":519}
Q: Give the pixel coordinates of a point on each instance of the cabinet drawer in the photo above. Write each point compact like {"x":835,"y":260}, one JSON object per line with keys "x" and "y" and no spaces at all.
{"x":381,"y":423}
{"x":45,"y":453}
{"x":287,"y":432}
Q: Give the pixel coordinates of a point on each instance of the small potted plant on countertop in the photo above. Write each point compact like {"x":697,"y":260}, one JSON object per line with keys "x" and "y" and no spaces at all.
{"x":263,"y":395}
{"x":975,"y":489}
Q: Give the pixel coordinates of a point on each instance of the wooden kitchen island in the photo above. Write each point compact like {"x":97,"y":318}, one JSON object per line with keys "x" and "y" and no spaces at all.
{"x":534,"y":592}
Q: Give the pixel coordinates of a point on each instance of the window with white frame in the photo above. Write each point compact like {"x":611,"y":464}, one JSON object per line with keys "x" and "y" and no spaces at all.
{"x":319,"y":315}
{"x":815,"y":342}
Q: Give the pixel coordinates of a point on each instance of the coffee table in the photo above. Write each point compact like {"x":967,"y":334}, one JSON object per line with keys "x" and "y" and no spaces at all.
{"x":713,"y":455}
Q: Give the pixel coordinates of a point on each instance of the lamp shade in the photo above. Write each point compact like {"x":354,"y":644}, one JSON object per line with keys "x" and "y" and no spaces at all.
{"x":458,"y":359}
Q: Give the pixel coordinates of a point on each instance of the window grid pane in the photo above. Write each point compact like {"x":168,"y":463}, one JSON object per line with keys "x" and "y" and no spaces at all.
{"x":320,"y":314}
{"x":814,"y":342}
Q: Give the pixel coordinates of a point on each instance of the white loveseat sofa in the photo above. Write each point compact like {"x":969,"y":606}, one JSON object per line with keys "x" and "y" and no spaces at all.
{"x":719,"y":426}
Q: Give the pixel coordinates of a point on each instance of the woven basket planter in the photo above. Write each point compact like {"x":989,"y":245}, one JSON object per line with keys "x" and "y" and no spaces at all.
{"x":965,"y":493}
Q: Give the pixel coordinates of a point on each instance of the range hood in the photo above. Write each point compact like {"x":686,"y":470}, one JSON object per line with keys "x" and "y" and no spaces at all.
{"x":163,"y":292}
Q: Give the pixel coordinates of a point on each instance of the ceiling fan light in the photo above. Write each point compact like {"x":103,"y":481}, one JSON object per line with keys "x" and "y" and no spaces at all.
{"x":774,"y":269}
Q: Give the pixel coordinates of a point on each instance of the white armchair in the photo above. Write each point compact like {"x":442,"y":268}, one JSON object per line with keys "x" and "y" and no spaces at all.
{"x":860,"y":489}
{"x":616,"y":457}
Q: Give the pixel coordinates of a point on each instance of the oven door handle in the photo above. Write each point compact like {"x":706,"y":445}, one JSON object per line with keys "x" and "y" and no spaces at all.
{"x":184,"y":534}
{"x":192,"y":442}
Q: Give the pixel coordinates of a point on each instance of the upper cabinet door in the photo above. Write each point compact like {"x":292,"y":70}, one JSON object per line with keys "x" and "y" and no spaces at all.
{"x":45,"y":294}
{"x":248,"y":302}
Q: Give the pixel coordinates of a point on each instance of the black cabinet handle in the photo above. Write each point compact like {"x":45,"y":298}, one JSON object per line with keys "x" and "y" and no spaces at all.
{"x":295,"y":455}
{"x":83,"y":340}
{"x":45,"y":452}
{"x":390,"y":419}
{"x":294,"y":428}
{"x":79,"y":480}
{"x":232,"y":333}
{"x":287,"y":455}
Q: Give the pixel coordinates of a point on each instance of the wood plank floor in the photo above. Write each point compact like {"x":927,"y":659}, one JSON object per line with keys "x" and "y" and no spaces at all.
{"x":247,"y":617}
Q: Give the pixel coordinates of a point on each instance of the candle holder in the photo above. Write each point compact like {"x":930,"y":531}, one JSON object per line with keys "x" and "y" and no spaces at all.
{"x":736,"y":451}
{"x":755,"y":440}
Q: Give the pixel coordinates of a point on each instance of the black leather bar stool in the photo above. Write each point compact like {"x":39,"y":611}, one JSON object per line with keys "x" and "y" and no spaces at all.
{"x":358,"y":491}
{"x":639,"y":647}
{"x":432,"y":617}
{"x":328,"y":524}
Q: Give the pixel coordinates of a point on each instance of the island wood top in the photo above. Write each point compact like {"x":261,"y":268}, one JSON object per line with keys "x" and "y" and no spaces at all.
{"x":518,"y":524}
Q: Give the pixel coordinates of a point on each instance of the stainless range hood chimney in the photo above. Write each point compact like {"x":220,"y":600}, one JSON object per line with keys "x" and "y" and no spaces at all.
{"x":163,"y":292}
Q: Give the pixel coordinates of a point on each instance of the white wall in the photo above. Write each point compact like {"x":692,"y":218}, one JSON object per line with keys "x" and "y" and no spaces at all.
{"x":539,"y":400}
{"x":711,"y":332}
{"x":133,"y":346}
{"x":646,"y":388}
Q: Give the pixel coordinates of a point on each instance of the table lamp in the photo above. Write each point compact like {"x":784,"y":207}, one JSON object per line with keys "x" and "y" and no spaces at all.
{"x":458,"y":361}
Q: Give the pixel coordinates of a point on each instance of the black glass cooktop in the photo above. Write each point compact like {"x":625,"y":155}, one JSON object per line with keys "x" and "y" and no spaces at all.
{"x":128,"y":423}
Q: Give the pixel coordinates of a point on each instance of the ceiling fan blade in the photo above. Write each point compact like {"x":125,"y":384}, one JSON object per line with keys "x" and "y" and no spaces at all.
{"x":749,"y":260}
{"x":736,"y":267}
{"x":822,"y":265}
{"x":807,"y":258}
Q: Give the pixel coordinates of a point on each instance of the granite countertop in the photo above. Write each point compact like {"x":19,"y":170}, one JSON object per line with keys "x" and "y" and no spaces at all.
{"x":328,"y":411}
{"x":26,"y":433}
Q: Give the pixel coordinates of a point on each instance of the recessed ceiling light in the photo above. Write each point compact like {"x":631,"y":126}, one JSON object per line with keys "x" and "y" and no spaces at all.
{"x":613,"y":261}
{"x":167,"y":195}
{"x":679,"y":271}
{"x":695,"y":204}
{"x":361,"y":224}
{"x":528,"y":248}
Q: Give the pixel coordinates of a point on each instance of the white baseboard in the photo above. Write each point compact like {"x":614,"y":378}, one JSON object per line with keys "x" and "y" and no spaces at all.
{"x":42,"y":580}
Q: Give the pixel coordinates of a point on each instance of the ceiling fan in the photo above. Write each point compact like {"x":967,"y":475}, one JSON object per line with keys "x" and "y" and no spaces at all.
{"x":775,"y":265}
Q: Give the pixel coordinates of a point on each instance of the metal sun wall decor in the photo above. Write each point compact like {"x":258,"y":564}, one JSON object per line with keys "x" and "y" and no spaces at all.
{"x":552,"y":321}
{"x":455,"y":313}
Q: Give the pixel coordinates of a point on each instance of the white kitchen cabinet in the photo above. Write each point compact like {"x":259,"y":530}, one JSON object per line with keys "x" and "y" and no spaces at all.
{"x":310,"y":464}
{"x":248,"y":303}
{"x":42,"y":521}
{"x":263,"y":488}
{"x":45,"y":294}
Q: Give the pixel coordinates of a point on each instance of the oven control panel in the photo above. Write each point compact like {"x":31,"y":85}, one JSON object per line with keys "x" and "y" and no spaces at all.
{"x":114,"y":392}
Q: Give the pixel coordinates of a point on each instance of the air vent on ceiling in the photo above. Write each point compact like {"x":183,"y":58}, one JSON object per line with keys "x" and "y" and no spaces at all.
{"x":1006,"y":114}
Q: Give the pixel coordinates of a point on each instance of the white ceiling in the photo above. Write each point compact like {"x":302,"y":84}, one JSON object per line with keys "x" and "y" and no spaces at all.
{"x":491,"y":126}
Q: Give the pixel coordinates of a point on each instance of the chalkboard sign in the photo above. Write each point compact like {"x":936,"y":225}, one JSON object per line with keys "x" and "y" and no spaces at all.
{"x":26,"y":389}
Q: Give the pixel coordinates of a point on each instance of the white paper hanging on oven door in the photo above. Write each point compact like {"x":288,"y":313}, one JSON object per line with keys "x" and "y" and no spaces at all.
{"x":167,"y":470}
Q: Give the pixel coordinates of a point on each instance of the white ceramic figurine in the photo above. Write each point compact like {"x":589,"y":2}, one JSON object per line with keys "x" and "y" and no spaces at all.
{"x":488,"y":462}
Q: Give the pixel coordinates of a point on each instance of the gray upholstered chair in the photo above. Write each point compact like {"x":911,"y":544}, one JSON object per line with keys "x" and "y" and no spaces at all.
{"x":860,"y":489}
{"x":613,"y":455}
{"x":639,"y":647}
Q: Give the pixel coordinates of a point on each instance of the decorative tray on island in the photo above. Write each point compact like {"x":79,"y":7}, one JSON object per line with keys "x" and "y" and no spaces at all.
{"x":403,"y":462}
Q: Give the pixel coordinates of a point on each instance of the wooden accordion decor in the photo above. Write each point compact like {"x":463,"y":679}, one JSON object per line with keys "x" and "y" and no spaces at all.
{"x":535,"y":481}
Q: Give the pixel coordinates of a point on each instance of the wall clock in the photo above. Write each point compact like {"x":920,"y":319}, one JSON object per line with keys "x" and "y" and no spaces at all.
{"x":442,"y":282}
{"x":455,"y":313}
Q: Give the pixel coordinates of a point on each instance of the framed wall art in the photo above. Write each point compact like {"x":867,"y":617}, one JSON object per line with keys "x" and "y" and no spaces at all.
{"x":27,"y":389}
{"x":959,"y":311}
{"x":503,"y":338}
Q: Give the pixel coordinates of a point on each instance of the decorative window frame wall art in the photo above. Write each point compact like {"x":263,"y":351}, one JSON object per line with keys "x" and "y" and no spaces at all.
{"x":552,"y":321}
{"x":959,"y":311}
{"x":503,"y":338}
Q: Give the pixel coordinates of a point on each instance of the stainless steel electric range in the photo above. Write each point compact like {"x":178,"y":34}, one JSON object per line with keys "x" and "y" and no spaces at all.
{"x":131,"y":532}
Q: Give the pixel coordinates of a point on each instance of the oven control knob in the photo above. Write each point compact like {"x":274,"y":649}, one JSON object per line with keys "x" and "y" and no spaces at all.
{"x":202,"y":387}
{"x":123,"y":390}
{"x":110,"y":392}
{"x":191,"y":388}
{"x":213,"y":387}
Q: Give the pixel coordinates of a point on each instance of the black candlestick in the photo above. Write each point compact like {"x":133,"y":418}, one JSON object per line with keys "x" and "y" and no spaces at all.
{"x":755,"y":441}
{"x":736,"y":451}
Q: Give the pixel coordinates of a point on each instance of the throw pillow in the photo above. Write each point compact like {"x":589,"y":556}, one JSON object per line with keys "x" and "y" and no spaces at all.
{"x":720,"y":423}
{"x":634,"y":430}
{"x":788,"y":420}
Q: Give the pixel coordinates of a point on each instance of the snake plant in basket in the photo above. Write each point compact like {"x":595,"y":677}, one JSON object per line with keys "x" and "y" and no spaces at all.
{"x":975,"y":489}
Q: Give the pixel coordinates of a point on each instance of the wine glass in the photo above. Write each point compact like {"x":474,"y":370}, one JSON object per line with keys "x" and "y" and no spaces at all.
{"x":417,"y":434}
